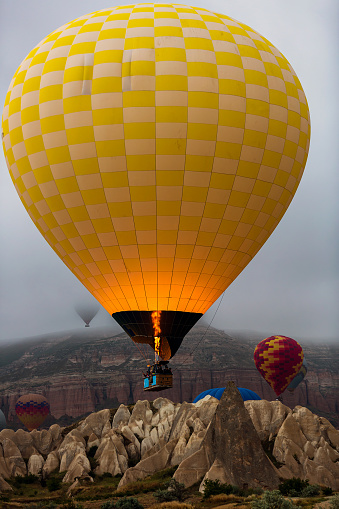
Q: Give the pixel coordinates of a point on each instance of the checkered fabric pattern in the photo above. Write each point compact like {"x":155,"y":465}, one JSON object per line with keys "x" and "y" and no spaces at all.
{"x":278,"y":359}
{"x":32,"y":410}
{"x":156,"y":147}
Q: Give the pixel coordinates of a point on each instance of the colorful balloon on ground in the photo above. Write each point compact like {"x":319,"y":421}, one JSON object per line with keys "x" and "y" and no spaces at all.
{"x":32,"y":410}
{"x":299,"y":377}
{"x":246,"y":394}
{"x":156,"y":147}
{"x":278,"y":359}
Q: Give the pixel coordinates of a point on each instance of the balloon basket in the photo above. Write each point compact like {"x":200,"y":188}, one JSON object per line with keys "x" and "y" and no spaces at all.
{"x":158,"y":382}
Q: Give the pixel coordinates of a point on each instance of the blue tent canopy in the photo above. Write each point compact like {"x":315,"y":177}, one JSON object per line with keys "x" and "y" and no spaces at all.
{"x":246,"y":394}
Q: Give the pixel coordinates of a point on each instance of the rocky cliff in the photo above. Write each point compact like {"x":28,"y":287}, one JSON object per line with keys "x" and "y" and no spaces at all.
{"x":210,"y":439}
{"x":87,"y":370}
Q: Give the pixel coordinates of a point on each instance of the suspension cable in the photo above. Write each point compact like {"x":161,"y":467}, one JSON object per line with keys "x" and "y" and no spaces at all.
{"x":202,"y":337}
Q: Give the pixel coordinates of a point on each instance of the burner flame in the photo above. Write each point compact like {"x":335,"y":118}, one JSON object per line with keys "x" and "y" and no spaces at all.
{"x":157,"y":331}
{"x":156,"y":323}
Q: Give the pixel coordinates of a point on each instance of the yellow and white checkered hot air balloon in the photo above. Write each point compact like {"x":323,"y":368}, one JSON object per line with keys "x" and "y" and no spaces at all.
{"x":156,"y":147}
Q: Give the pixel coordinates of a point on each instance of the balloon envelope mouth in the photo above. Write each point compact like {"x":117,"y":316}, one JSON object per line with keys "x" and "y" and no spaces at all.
{"x":174,"y":326}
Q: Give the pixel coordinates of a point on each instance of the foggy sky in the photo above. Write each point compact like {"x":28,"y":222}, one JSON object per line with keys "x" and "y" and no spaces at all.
{"x":291,"y":286}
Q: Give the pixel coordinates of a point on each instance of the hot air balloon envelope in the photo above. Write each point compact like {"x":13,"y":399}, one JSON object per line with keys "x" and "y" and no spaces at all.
{"x":246,"y":394}
{"x":278,"y":360}
{"x":32,"y":410}
{"x":299,"y":377}
{"x":156,"y":147}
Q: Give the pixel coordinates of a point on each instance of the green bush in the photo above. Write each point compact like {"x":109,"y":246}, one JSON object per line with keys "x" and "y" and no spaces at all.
{"x":108,"y":505}
{"x":53,"y":484}
{"x":334,"y":502}
{"x":293,"y":487}
{"x":26,"y":479}
{"x":175,"y":491}
{"x":70,"y":504}
{"x":312,"y":490}
{"x":128,"y":503}
{"x":272,"y":500}
{"x":216,"y":488}
{"x":327,"y":491}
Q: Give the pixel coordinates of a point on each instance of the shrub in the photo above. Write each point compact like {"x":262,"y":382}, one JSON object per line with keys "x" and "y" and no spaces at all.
{"x":272,"y":500}
{"x":128,"y":503}
{"x":293,"y":487}
{"x":175,"y":491}
{"x":26,"y":479}
{"x":327,"y":491}
{"x":312,"y":490}
{"x":216,"y":488}
{"x":108,"y":505}
{"x":53,"y":484}
{"x":70,"y":504}
{"x":163,"y":496}
{"x":334,"y":502}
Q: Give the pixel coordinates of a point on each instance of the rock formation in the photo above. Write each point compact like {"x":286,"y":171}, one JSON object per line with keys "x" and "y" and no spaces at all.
{"x":231,"y":449}
{"x":80,"y":374}
{"x":209,"y":439}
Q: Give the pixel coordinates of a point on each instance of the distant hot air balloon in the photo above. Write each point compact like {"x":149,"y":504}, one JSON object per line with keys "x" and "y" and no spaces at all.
{"x":246,"y":394}
{"x":278,"y":359}
{"x":156,"y":147}
{"x":298,"y":378}
{"x":87,"y":313}
{"x":3,"y":423}
{"x":32,"y":410}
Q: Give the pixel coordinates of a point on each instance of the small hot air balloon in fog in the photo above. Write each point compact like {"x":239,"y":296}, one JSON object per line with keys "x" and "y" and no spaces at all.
{"x":278,"y":359}
{"x":87,"y":313}
{"x":156,"y":147}
{"x":32,"y":410}
{"x":298,"y":378}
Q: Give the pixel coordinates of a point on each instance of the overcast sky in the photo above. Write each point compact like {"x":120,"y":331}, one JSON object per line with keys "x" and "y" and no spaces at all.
{"x":291,"y":287}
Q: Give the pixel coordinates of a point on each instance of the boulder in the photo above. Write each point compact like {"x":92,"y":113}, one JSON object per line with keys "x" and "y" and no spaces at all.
{"x":98,"y":423}
{"x":93,"y":441}
{"x":24,"y":441}
{"x":35,"y":464}
{"x":267,"y":417}
{"x":141,"y":418}
{"x":179,"y":426}
{"x":206,"y":408}
{"x":232,"y":440}
{"x":146,"y":445}
{"x":4,"y":471}
{"x":79,"y":466}
{"x":155,"y":463}
{"x":165,"y":407}
{"x":71,"y":446}
{"x":179,"y":451}
{"x":51,"y":464}
{"x":43,"y":441}
{"x":56,"y":433}
{"x":14,"y":461}
{"x":121,"y":417}
{"x":130,"y":438}
{"x":107,"y":457}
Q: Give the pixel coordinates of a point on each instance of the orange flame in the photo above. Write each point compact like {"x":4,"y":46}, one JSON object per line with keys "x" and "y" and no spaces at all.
{"x":156,"y":322}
